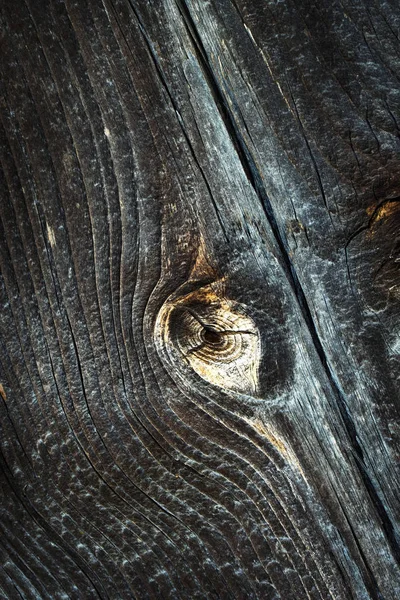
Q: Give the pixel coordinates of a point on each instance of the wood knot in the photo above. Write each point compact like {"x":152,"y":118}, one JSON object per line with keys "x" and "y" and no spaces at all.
{"x":215,"y":337}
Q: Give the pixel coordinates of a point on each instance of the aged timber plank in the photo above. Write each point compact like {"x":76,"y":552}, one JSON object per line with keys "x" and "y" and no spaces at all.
{"x":173,"y":391}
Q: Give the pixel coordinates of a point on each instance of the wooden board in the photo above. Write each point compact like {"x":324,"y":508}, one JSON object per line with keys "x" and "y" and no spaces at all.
{"x":199,"y":358}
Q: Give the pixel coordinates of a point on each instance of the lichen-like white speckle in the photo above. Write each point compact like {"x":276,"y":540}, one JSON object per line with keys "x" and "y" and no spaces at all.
{"x":51,"y":236}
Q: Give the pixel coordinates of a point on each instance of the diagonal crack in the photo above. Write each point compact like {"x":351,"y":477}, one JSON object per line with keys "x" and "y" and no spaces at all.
{"x":255,"y":179}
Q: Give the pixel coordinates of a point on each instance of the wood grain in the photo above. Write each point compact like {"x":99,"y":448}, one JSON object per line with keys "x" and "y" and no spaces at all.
{"x":199,"y":253}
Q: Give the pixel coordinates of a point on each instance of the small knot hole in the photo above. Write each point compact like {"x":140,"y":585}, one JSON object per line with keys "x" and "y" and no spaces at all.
{"x":214,"y":338}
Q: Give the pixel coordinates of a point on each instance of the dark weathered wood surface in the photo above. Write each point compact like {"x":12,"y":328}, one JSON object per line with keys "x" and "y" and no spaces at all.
{"x":199,"y":292}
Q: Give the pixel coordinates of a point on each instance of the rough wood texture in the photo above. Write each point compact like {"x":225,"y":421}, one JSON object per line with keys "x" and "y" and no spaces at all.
{"x":200,"y":333}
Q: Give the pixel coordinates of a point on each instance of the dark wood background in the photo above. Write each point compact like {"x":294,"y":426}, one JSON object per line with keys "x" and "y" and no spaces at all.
{"x":199,"y":292}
